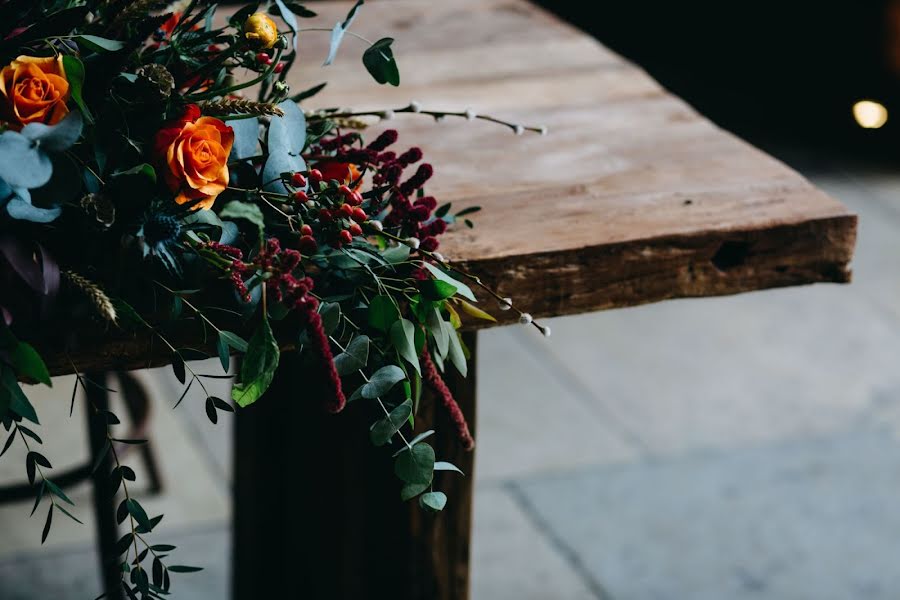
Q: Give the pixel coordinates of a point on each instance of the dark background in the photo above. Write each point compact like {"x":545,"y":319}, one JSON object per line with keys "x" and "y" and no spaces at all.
{"x":769,"y":70}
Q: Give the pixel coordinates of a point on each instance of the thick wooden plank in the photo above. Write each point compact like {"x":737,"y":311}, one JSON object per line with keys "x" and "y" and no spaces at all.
{"x":632,"y":198}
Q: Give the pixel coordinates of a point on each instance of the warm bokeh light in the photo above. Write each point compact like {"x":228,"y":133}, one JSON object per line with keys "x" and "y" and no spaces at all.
{"x":870,"y":114}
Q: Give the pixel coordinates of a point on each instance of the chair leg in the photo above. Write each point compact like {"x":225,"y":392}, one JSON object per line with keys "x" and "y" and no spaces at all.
{"x":104,"y":496}
{"x":137,"y":403}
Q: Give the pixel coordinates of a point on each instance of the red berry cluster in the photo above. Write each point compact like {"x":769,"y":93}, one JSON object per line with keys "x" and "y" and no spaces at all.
{"x":338,"y":211}
{"x":279,"y":263}
{"x":411,"y":217}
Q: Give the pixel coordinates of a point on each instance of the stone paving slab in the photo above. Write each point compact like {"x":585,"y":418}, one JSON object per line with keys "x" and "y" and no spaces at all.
{"x":72,"y":573}
{"x":809,"y":519}
{"x":512,"y":559}
{"x":531,"y":420}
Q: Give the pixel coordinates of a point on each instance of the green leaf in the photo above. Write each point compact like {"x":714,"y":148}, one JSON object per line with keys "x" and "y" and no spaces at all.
{"x":403,"y":336}
{"x":99,"y":44}
{"x":26,"y":361}
{"x":461,"y":288}
{"x":331,"y":316}
{"x":455,"y":353}
{"x":184,"y":569}
{"x":382,"y":381}
{"x":47,"y":523}
{"x":243,"y":210}
{"x":137,"y":511}
{"x":141,"y":170}
{"x":18,"y":401}
{"x":396,"y":254}
{"x":411,"y":490}
{"x":258,"y":367}
{"x":382,"y":313}
{"x":445,"y":466}
{"x":436,"y":328}
{"x":354,"y":357}
{"x":434,"y":289}
{"x":57,"y":491}
{"x":337,"y":33}
{"x":382,"y":431}
{"x":246,"y":138}
{"x":415,"y":440}
{"x":417,"y":465}
{"x":233,"y":340}
{"x":224,"y":354}
{"x":74,"y":70}
{"x":379,"y":61}
{"x":433,"y":501}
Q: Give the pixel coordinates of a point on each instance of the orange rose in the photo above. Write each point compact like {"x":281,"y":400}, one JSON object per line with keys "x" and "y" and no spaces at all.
{"x":33,"y":90}
{"x":193,"y":153}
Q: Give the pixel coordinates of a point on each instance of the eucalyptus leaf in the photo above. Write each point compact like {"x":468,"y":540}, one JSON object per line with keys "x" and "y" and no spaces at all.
{"x":411,"y":490}
{"x":379,"y":61}
{"x":445,"y":466}
{"x":331,"y":316}
{"x":244,"y":210}
{"x":382,"y":431}
{"x":55,"y":138}
{"x":337,"y":33}
{"x":417,"y":465}
{"x":354,"y":357}
{"x":433,"y":501}
{"x":246,"y":138}
{"x":382,"y":381}
{"x":22,"y":163}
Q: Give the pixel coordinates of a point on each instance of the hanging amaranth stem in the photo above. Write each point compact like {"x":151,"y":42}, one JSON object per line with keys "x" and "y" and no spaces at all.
{"x":436,"y":383}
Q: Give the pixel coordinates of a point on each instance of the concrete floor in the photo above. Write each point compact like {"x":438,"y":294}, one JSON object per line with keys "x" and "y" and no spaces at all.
{"x":743,"y":447}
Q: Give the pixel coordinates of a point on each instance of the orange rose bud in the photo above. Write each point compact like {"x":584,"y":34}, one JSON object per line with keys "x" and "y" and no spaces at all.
{"x":193,"y":153}
{"x":33,"y":90}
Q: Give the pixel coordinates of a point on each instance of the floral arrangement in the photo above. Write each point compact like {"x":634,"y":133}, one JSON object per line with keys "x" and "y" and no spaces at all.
{"x":140,"y":189}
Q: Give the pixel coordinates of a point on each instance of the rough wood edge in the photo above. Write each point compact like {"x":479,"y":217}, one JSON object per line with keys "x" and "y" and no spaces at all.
{"x":589,"y":279}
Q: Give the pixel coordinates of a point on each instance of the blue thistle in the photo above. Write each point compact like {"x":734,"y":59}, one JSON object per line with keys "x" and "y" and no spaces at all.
{"x":158,"y":236}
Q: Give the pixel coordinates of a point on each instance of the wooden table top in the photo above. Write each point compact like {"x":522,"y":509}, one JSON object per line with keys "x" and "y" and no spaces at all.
{"x":633,"y":197}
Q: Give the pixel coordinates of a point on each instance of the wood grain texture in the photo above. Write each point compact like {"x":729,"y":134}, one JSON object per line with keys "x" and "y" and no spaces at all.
{"x":632,"y":198}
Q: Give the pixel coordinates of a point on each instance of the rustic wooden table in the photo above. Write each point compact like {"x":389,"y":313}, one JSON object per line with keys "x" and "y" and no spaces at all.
{"x":632,"y":198}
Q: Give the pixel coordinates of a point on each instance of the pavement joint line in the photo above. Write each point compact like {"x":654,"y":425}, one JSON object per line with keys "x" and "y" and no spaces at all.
{"x":91,"y":546}
{"x":583,"y":393}
{"x":566,"y":552}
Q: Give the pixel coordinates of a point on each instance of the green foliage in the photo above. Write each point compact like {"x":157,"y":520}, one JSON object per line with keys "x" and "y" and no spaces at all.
{"x":382,"y":431}
{"x":381,"y":382}
{"x":258,"y":367}
{"x":415,"y":465}
{"x":403,"y":334}
{"x":379,"y":61}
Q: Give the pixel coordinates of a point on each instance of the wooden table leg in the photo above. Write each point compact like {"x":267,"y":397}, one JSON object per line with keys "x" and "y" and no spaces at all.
{"x":104,"y":500}
{"x":317,"y":507}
